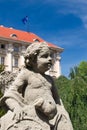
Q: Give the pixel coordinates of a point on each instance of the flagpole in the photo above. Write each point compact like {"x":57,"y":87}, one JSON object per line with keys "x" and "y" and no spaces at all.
{"x":27,"y":27}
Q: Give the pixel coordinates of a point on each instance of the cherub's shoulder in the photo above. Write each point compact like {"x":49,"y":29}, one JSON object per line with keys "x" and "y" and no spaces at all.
{"x":24,"y":71}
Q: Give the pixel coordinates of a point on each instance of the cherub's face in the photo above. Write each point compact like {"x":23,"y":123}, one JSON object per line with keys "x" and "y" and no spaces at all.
{"x":44,"y":60}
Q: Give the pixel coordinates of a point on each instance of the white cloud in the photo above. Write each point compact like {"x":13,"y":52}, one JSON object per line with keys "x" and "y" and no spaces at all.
{"x":77,"y":7}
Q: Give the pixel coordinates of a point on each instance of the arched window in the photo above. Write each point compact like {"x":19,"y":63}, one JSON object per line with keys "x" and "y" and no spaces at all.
{"x":36,"y":40}
{"x":13,"y":35}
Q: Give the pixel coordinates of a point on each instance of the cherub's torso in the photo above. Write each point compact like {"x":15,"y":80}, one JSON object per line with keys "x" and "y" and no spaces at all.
{"x":38,"y":86}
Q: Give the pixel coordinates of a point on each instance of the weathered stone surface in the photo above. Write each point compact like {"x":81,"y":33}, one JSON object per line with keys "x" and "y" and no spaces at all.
{"x":32,"y":98}
{"x":6,"y":79}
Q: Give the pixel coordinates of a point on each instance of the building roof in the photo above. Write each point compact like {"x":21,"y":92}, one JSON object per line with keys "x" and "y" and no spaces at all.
{"x":19,"y":35}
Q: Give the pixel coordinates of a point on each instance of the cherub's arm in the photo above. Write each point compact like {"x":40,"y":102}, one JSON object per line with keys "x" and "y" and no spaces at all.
{"x":13,"y":97}
{"x":16,"y":89}
{"x":55,"y":95}
{"x":55,"y":92}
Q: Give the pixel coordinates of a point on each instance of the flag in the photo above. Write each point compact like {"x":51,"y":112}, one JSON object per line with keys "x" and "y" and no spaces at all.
{"x":25,"y":20}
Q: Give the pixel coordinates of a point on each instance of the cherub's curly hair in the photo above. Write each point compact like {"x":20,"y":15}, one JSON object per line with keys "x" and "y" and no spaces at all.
{"x":32,"y":51}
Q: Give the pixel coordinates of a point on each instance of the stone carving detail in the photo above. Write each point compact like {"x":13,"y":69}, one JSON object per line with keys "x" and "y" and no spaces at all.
{"x":32,"y":99}
{"x":6,"y":79}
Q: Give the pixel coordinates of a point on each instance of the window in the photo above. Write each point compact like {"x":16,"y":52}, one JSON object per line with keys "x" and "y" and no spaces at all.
{"x":36,"y":40}
{"x":2,"y":60}
{"x":16,"y":62}
{"x":16,"y":48}
{"x":13,"y":35}
{"x":2,"y":46}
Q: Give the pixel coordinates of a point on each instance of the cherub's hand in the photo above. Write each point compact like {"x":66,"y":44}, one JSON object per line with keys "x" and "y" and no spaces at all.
{"x":18,"y":113}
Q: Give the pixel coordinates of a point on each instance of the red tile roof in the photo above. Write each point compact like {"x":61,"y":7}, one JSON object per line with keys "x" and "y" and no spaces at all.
{"x":20,"y":35}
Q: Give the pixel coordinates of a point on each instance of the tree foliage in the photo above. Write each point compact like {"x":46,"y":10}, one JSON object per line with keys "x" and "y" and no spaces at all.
{"x":82,"y":67}
{"x":74,"y":72}
{"x":73,"y":92}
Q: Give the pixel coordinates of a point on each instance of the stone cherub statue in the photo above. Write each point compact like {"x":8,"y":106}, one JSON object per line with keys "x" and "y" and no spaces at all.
{"x":32,"y":99}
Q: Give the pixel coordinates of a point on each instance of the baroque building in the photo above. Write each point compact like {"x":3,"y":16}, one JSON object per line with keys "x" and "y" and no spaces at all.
{"x":13,"y":44}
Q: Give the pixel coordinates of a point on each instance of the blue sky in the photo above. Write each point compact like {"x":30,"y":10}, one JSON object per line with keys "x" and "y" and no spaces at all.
{"x":61,"y":22}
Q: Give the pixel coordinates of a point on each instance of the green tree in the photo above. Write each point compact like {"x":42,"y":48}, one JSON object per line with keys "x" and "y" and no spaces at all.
{"x":73,"y":92}
{"x":78,"y":110}
{"x":63,"y":86}
{"x":74,"y":72}
{"x":82,"y":67}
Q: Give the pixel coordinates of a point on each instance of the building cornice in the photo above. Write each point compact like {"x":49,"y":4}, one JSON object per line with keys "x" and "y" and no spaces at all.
{"x":14,"y":41}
